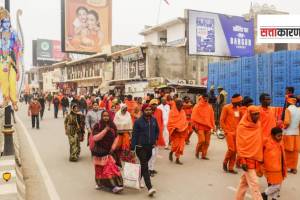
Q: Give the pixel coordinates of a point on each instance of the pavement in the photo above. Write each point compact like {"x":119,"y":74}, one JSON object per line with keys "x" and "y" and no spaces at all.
{"x":50,"y":176}
{"x":8,"y":190}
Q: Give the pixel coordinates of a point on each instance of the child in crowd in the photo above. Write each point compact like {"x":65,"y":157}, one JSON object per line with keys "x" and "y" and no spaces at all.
{"x":274,"y":164}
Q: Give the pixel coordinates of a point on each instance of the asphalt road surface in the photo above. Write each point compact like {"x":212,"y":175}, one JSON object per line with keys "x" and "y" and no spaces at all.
{"x":57,"y":178}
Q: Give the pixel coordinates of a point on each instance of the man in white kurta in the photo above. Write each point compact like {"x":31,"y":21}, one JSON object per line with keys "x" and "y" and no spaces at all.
{"x":166,"y":110}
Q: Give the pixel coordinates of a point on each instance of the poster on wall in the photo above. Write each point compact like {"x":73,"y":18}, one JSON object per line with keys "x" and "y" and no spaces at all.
{"x":132,"y":69}
{"x":219,"y":35}
{"x":86,"y":26}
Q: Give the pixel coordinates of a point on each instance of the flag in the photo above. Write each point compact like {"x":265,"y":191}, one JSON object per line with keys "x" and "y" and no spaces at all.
{"x":167,"y":2}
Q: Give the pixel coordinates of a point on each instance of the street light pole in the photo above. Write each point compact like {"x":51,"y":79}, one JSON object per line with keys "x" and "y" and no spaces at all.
{"x":7,"y":5}
{"x":8,"y":133}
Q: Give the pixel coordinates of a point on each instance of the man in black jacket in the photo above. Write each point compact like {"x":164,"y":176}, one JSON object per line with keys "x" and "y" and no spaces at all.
{"x":42,"y":101}
{"x":65,"y":105}
{"x":83,"y":105}
{"x":144,"y":137}
{"x":56,"y":103}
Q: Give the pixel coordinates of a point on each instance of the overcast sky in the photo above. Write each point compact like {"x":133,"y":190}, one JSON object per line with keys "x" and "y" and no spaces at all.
{"x":41,"y":18}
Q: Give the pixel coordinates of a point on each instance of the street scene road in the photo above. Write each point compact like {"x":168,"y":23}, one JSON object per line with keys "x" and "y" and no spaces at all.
{"x":196,"y":98}
{"x":195,"y":180}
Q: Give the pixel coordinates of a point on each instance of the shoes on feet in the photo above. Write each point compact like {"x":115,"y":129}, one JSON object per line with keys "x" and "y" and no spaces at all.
{"x":171,"y":156}
{"x":293,"y":171}
{"x":225,"y":167}
{"x":205,"y":158}
{"x":117,"y":190}
{"x":232,"y":172}
{"x":73,"y":160}
{"x":178,"y":162}
{"x":151,"y":173}
{"x":151,"y":192}
{"x":97,"y":187}
{"x":264,"y":196}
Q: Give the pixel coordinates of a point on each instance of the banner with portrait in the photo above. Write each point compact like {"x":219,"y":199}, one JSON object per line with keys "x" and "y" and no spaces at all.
{"x":86,"y":26}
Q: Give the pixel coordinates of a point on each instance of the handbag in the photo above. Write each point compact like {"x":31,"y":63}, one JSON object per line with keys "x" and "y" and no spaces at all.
{"x":91,"y":142}
{"x":132,"y":175}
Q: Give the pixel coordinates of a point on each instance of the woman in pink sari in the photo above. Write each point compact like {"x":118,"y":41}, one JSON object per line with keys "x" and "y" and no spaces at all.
{"x":103,"y":142}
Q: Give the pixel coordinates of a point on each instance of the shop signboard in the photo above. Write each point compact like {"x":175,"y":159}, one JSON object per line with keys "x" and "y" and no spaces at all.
{"x":219,"y":35}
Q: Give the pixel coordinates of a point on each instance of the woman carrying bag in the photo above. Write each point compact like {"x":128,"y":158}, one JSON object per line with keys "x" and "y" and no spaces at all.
{"x":144,"y":137}
{"x":103,"y":142}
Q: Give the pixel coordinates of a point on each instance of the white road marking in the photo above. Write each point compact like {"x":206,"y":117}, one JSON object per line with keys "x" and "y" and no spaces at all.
{"x":7,"y":163}
{"x":46,"y":177}
{"x":234,"y":189}
{"x":8,"y":189}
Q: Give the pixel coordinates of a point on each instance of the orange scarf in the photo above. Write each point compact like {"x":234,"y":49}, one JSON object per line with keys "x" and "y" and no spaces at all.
{"x":203,"y":114}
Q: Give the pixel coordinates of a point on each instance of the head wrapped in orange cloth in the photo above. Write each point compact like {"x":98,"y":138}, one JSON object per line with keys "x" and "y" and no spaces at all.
{"x":236,"y":99}
{"x":249,"y":135}
{"x":203,"y":113}
{"x":292,"y":100}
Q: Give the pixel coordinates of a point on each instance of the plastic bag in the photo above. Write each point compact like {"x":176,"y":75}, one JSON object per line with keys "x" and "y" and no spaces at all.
{"x":132,"y":175}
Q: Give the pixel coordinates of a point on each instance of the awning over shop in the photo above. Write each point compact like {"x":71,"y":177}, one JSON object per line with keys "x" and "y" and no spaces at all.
{"x":124,"y":81}
{"x":100,"y":57}
{"x":177,"y":85}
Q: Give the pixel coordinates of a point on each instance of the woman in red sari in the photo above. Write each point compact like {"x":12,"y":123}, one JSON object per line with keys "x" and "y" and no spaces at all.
{"x":103,"y":143}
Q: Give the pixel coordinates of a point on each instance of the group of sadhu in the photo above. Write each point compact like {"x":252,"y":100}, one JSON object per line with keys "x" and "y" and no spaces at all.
{"x":257,"y":141}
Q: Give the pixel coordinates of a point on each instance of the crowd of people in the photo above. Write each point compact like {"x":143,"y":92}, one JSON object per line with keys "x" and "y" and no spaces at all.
{"x":127,"y":129}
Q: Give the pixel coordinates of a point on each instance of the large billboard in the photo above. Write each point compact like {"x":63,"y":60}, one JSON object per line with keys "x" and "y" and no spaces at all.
{"x":86,"y":26}
{"x":219,"y":35}
{"x":47,"y":52}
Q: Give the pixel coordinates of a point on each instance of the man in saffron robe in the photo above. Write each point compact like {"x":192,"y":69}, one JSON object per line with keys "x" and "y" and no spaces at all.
{"x":267,"y":116}
{"x":204,"y":121}
{"x":249,"y":147}
{"x":177,"y":127}
{"x":188,"y":108}
{"x":131,"y":105}
{"x":291,"y":136}
{"x":230,"y":118}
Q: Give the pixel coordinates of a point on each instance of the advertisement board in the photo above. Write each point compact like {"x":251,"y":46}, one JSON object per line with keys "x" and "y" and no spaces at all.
{"x":278,"y":29}
{"x":86,"y":26}
{"x":219,"y":34}
{"x":46,"y":52}
{"x":49,"y":50}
